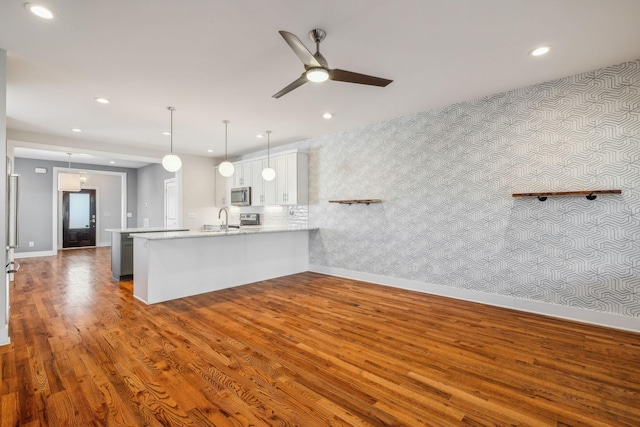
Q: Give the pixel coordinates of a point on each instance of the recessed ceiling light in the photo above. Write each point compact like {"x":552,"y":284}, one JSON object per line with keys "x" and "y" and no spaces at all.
{"x":112,"y":162}
{"x":209,"y":150}
{"x":166,"y":132}
{"x":76,"y":130}
{"x":101,"y":100}
{"x":540,"y":51}
{"x":259,"y":135}
{"x":327,"y":115}
{"x":40,"y":11}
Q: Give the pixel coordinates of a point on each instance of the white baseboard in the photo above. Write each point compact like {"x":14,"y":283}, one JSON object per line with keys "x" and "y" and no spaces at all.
{"x":553,"y":310}
{"x":33,"y":254}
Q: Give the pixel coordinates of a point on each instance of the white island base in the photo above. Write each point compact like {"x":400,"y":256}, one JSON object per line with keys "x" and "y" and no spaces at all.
{"x":175,"y":265}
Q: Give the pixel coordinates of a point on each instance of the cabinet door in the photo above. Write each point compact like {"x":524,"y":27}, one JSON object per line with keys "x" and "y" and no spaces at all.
{"x":241,"y":175}
{"x":257,"y":186}
{"x":292,"y":179}
{"x":269,"y":189}
{"x":281,"y":179}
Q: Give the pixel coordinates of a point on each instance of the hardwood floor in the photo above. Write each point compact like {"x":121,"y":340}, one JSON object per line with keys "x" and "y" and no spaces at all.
{"x":303,"y":350}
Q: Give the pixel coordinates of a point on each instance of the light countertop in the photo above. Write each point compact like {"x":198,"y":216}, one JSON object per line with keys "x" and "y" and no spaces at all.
{"x":168,"y":235}
{"x":146,"y":230}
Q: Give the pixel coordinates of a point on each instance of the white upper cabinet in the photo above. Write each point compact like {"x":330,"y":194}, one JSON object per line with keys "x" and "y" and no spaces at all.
{"x":263,"y":193}
{"x":257,"y":183}
{"x":290,"y":187}
{"x":292,"y":179}
{"x":242,"y":175}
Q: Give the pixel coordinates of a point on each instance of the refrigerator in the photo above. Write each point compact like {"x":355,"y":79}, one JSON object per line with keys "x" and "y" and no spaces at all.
{"x":12,"y":230}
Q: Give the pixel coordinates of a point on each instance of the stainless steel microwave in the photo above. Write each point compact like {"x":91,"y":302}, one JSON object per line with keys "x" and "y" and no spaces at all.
{"x":241,"y":196}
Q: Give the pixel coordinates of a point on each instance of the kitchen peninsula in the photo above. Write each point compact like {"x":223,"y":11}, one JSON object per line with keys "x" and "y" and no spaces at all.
{"x":122,"y":249}
{"x":171,"y":265}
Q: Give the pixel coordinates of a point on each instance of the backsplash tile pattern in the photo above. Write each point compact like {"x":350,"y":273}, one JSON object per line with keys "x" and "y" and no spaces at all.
{"x":446,"y":178}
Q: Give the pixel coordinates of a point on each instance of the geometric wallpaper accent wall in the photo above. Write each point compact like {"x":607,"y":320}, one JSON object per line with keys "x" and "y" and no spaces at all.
{"x":446,"y":177}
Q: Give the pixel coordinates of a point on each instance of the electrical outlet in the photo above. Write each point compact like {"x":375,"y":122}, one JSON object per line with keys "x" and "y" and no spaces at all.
{"x":335,"y":256}
{"x":416,"y":267}
{"x":31,"y":244}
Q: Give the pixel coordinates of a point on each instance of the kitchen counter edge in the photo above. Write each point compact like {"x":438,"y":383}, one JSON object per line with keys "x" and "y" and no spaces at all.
{"x":146,"y":230}
{"x":198,"y":234}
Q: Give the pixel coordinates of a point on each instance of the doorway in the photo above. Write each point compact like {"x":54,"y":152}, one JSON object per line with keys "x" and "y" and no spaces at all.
{"x":79,"y":218}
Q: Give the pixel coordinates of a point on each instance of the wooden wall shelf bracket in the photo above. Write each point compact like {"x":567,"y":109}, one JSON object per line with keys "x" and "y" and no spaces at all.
{"x":356,"y":201}
{"x":589,"y":194}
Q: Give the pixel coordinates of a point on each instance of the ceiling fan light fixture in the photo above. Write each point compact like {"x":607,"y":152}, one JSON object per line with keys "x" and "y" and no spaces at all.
{"x":317,"y":75}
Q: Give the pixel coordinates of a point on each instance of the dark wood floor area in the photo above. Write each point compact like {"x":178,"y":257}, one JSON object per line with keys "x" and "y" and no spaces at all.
{"x":304,"y":350}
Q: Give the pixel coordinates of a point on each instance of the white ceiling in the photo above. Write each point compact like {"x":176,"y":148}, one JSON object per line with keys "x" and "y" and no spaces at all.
{"x":224,"y":59}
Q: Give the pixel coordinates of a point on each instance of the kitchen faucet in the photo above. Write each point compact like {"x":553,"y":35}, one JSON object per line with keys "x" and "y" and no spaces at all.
{"x":225,"y":224}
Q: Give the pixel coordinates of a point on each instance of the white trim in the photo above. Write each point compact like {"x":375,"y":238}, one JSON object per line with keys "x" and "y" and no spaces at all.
{"x":529,"y":306}
{"x":33,"y":254}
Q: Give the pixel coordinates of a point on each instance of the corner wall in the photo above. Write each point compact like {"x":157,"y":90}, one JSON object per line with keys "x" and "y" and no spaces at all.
{"x":448,"y":223}
{"x":150,"y":204}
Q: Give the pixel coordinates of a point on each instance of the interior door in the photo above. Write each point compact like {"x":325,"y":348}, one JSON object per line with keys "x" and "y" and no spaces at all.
{"x":79,"y":218}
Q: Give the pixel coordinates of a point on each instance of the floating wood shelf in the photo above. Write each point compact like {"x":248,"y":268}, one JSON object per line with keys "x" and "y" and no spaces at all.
{"x":356,"y":201}
{"x":590,"y":194}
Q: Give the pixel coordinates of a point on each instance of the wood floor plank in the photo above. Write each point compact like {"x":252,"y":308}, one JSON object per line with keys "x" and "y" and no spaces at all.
{"x":303,"y":350}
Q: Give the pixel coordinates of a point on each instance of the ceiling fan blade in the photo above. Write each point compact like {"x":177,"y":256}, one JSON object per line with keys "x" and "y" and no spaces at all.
{"x":363,"y":79}
{"x":299,"y":82}
{"x":300,"y":49}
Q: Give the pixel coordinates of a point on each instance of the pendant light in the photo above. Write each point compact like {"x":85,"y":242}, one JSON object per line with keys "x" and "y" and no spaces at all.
{"x":69,"y":181}
{"x":226,"y":168}
{"x":268,"y":174}
{"x":171,"y":162}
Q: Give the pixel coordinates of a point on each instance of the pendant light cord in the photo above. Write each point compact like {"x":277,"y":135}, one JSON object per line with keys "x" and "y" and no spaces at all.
{"x":171,"y":109}
{"x":69,"y":168}
{"x":268,"y":148}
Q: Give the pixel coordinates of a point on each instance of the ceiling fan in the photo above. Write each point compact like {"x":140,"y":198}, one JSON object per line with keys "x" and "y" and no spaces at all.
{"x":317,"y":68}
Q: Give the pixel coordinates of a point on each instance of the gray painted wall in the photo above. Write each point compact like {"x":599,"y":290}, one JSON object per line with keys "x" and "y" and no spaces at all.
{"x":446,"y":177}
{"x":36,"y":197}
{"x":150,"y":204}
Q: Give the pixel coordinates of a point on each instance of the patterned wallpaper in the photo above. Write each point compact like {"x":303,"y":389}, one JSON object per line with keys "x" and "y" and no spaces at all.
{"x":446,"y":178}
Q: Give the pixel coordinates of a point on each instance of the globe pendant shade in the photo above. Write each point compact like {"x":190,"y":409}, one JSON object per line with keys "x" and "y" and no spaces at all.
{"x":226,"y":169}
{"x":268,"y":174}
{"x":171,"y":162}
